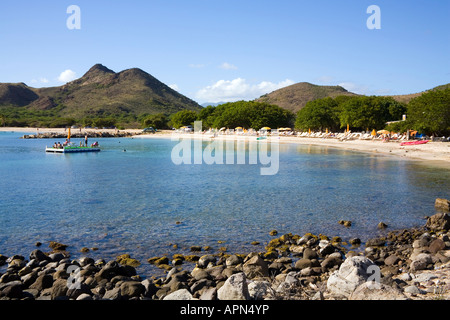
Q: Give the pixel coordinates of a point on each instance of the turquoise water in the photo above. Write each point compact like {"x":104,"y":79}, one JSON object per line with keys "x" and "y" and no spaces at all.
{"x":139,"y":202}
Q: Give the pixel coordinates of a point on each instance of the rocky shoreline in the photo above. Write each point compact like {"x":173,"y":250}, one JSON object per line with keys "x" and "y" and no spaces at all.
{"x":99,"y":134}
{"x":409,"y":264}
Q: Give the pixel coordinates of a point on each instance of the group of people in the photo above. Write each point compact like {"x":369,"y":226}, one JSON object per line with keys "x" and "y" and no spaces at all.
{"x":58,"y":145}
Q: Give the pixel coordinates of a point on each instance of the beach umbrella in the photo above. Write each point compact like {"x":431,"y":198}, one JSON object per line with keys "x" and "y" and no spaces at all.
{"x":374,"y":133}
{"x":348,"y":127}
{"x":383,"y":132}
{"x":265,"y":128}
{"x":68,"y":136}
{"x":326,"y":131}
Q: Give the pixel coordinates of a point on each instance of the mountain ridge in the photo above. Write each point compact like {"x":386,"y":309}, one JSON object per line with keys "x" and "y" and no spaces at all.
{"x":295,"y":97}
{"x":100,"y":92}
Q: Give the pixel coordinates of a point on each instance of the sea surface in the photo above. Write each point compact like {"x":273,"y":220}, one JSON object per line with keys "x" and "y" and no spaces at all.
{"x":132,"y":198}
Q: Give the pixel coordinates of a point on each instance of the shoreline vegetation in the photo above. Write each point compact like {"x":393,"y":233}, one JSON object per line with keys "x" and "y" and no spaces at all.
{"x":408,"y":264}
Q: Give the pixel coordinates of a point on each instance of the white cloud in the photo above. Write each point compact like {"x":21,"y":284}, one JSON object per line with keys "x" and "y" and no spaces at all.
{"x":238,"y":89}
{"x":227,"y":66}
{"x":40,"y":80}
{"x":174,"y":87}
{"x":355,"y":88}
{"x":67,"y":75}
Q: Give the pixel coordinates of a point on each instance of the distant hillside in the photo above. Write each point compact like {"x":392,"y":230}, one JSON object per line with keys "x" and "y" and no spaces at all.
{"x":16,"y":94}
{"x":407,"y":97}
{"x":295,"y":97}
{"x":100,"y":92}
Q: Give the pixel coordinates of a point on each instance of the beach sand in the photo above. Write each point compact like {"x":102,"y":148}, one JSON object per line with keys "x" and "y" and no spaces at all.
{"x":433,"y":153}
{"x":437,"y":153}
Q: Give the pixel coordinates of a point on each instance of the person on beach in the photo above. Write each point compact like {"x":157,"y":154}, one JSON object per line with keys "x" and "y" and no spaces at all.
{"x":86,"y":140}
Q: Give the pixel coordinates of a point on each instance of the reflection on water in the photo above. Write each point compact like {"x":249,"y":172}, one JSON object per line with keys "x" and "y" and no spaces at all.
{"x":139,"y":202}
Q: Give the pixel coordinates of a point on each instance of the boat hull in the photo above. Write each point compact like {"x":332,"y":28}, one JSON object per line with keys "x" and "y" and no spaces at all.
{"x":413,"y":143}
{"x":72,"y":149}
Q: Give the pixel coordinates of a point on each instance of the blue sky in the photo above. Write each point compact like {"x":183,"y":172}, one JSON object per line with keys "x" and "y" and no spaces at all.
{"x":217,"y":50}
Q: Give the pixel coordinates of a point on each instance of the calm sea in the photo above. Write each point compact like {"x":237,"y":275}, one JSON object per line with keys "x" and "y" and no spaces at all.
{"x":139,"y":202}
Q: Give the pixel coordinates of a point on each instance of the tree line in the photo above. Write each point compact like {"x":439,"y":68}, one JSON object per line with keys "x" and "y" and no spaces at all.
{"x":245,"y":114}
{"x":428,"y":114}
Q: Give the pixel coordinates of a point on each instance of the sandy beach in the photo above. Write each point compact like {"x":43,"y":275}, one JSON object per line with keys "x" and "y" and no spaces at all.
{"x":437,"y":153}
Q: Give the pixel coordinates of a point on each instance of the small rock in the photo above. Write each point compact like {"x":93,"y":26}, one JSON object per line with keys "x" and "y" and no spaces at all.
{"x":391,"y":260}
{"x":38,"y":255}
{"x":303,"y":263}
{"x":436,"y":245}
{"x":350,"y":275}
{"x":42,"y":282}
{"x":345,"y":223}
{"x":376,"y":242}
{"x":310,"y":254}
{"x":56,"y":257}
{"x":12,"y":290}
{"x":59,"y":288}
{"x":209,"y":294}
{"x":85,"y":297}
{"x":382,"y":225}
{"x":235,"y":288}
{"x":412,"y":290}
{"x":442,"y":204}
{"x":56,"y":246}
{"x":405,"y":276}
{"x":439,"y":222}
{"x":131,"y":289}
{"x":205,"y":260}
{"x":182,"y":294}
{"x":113,"y":294}
{"x":258,"y":289}
{"x":330,"y":262}
{"x":376,"y":291}
{"x":421,"y":262}
{"x":256,"y":267}
{"x":233,"y":260}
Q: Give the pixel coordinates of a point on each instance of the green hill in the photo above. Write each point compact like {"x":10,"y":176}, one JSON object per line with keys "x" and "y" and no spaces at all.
{"x":295,"y":97}
{"x":407,"y":97}
{"x":100,"y":92}
{"x":16,"y":94}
